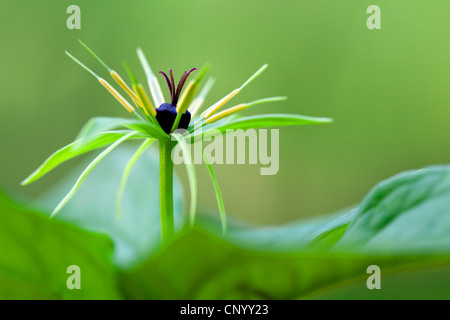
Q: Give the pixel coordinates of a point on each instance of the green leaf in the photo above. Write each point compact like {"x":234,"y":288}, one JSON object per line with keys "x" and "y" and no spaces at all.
{"x":423,"y":282}
{"x":36,"y":252}
{"x":314,"y":234}
{"x":409,"y":213}
{"x":126,"y":173}
{"x":97,"y":125}
{"x":191,"y":174}
{"x":220,"y":203}
{"x":88,"y":170}
{"x":136,"y":235}
{"x":404,"y":214}
{"x":263,"y":121}
{"x":218,"y":270}
{"x":69,"y":152}
{"x":402,"y":226}
{"x":149,"y":129}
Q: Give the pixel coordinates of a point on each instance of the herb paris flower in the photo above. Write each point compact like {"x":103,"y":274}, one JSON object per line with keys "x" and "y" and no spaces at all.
{"x":160,"y":124}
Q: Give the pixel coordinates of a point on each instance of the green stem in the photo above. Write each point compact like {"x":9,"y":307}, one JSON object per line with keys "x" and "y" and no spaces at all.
{"x":166,"y":190}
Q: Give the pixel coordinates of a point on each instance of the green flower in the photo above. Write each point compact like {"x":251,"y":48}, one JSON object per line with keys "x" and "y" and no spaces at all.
{"x":160,"y":123}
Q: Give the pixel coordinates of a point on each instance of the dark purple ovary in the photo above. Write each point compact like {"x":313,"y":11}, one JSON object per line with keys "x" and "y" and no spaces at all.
{"x":166,"y":115}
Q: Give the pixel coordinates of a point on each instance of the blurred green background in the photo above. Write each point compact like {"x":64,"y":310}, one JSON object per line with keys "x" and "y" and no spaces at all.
{"x":388,"y":89}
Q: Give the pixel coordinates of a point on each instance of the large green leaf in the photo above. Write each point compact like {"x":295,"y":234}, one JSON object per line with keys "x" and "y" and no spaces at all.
{"x":136,"y":234}
{"x":69,"y":152}
{"x":36,"y":251}
{"x":311,"y":235}
{"x":402,"y":226}
{"x":425,"y":282}
{"x":199,"y":265}
{"x":409,"y":213}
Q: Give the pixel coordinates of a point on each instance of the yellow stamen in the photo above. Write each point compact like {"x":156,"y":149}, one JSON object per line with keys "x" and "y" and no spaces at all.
{"x":116,"y":95}
{"x":141,"y":103}
{"x":227,"y":112}
{"x":206,"y":114}
{"x":186,"y":96}
{"x":124,"y":86}
{"x":148,"y":107}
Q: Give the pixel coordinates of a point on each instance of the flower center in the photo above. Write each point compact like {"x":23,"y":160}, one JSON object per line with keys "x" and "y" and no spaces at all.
{"x":167,"y":113}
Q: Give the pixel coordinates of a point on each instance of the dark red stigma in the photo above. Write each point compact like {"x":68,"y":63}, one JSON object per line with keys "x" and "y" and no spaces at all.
{"x":175,"y":94}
